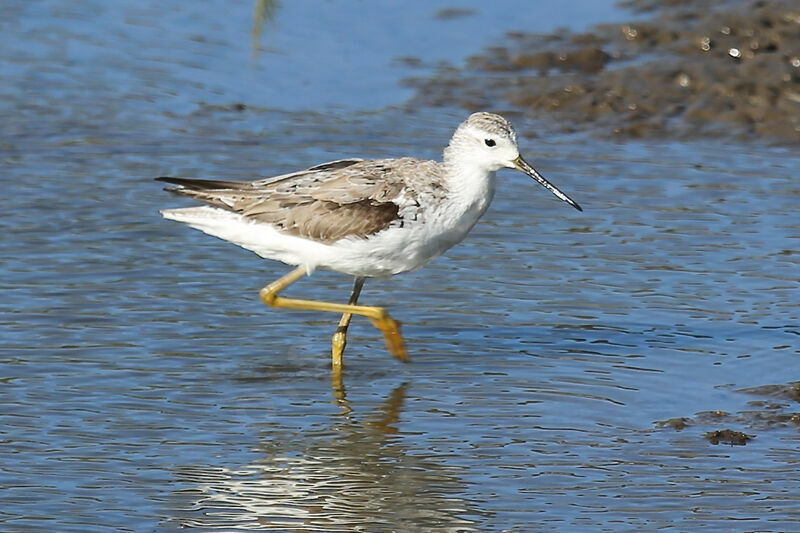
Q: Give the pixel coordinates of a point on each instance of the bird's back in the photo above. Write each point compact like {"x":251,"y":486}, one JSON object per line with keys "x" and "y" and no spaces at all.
{"x":328,"y":202}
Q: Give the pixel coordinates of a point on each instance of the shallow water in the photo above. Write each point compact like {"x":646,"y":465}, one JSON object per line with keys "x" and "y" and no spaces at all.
{"x":145,"y":387}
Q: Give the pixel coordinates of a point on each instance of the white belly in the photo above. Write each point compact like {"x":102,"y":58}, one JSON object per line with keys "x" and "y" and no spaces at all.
{"x":392,"y":251}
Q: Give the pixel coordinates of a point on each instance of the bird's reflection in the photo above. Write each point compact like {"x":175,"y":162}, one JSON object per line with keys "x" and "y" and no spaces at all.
{"x":350,"y":474}
{"x":390,"y":412}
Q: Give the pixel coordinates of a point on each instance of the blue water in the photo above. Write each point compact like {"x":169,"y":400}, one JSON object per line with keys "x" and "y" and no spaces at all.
{"x":145,"y":387}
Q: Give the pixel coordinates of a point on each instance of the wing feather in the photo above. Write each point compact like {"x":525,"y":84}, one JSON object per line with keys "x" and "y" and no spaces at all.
{"x":327,"y":202}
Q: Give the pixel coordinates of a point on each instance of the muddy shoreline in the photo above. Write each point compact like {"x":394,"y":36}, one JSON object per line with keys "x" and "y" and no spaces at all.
{"x":678,"y":69}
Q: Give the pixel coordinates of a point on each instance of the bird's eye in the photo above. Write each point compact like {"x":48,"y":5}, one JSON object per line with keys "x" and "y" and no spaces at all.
{"x":489,"y":142}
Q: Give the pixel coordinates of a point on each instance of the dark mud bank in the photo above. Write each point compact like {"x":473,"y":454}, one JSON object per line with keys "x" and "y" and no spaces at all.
{"x":681,"y":68}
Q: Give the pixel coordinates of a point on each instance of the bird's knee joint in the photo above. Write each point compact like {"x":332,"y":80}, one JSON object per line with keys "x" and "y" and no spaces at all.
{"x":268,"y":296}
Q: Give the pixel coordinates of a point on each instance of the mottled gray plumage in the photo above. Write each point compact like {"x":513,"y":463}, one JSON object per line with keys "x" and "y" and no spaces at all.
{"x":328,"y":202}
{"x":491,"y":123}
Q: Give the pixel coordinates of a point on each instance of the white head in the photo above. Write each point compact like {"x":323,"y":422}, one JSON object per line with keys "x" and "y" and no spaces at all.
{"x":489,"y":142}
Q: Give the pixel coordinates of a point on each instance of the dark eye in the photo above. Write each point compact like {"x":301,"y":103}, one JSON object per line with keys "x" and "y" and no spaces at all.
{"x":489,"y":142}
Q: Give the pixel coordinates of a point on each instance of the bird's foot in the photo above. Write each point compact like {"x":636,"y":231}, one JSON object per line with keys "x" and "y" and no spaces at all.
{"x":391,"y":332}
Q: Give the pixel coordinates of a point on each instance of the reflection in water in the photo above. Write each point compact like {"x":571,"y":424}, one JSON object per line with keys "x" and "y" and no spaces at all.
{"x":353,"y":474}
{"x":265,"y":11}
{"x":675,"y":298}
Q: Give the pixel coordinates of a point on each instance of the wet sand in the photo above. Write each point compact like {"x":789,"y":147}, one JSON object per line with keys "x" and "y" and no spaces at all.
{"x":775,"y":408}
{"x":683,"y":68}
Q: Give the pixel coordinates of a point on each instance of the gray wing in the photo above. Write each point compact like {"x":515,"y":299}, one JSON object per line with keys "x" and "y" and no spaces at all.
{"x":326,"y":203}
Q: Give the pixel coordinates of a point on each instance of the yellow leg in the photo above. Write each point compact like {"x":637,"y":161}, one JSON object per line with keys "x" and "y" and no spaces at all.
{"x":377,"y":315}
{"x":339,"y":340}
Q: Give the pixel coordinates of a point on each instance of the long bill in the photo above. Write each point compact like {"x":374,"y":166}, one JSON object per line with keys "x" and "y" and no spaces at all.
{"x":521,"y":164}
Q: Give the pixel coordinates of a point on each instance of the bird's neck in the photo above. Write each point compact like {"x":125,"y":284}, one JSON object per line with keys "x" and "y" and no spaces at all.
{"x":471,"y":184}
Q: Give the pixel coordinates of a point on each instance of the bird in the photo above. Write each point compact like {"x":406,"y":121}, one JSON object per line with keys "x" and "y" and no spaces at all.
{"x":364,"y":218}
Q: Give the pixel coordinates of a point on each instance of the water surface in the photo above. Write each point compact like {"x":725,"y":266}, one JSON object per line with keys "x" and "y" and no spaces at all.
{"x":145,"y":387}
